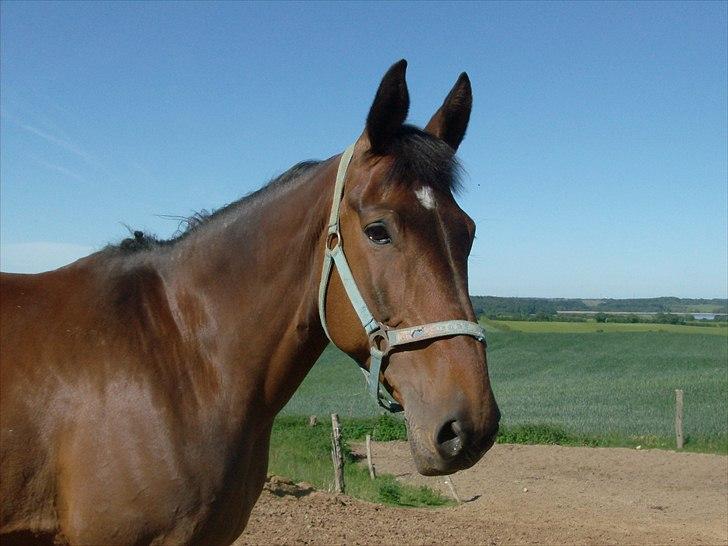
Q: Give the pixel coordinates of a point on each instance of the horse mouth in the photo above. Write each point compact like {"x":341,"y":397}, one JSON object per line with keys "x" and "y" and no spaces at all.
{"x":450,"y":456}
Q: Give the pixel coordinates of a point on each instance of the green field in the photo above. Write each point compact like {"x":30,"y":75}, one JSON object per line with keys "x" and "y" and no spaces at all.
{"x":616,"y":385}
{"x":601,"y":327}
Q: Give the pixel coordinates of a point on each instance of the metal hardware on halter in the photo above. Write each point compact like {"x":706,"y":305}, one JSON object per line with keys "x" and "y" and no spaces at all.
{"x":382,"y":339}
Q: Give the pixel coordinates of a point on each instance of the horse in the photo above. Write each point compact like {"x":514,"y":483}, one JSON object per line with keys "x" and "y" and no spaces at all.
{"x":139,"y":384}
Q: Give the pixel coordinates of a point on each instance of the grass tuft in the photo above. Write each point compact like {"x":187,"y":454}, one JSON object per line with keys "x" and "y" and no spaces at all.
{"x":303,"y":453}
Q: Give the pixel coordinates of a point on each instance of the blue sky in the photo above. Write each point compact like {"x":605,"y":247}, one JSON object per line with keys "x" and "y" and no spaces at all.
{"x":596,"y":156}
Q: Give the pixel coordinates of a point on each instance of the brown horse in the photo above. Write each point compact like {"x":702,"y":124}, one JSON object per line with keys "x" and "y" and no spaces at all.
{"x":139,"y":384}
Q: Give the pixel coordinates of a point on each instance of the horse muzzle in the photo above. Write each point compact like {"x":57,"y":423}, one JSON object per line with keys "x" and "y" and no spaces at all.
{"x":452,"y":445}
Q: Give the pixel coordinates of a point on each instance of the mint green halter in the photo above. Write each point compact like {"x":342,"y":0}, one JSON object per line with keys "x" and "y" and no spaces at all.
{"x":382,"y":339}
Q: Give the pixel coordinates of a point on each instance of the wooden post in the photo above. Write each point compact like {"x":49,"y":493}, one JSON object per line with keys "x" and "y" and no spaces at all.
{"x":451,"y":485}
{"x":679,"y":438}
{"x":370,"y":463}
{"x":337,"y":455}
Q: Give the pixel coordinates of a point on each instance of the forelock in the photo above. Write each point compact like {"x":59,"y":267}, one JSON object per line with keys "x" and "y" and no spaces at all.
{"x":421,"y":158}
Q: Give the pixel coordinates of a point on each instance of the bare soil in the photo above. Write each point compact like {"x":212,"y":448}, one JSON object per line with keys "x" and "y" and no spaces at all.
{"x":518,"y":495}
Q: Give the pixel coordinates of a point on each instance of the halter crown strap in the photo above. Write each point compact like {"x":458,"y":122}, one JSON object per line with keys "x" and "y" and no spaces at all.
{"x":382,"y":339}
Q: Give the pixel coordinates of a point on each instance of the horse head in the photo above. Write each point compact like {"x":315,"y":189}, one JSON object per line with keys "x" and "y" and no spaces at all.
{"x":407,"y":243}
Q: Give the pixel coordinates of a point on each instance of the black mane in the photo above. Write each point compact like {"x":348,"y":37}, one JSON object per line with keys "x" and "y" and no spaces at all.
{"x":141,"y":240}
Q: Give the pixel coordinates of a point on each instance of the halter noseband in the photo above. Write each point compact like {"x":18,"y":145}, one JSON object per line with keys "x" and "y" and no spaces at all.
{"x":382,"y":338}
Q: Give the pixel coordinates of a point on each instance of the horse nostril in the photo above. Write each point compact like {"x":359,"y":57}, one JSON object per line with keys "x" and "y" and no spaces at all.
{"x":450,"y":439}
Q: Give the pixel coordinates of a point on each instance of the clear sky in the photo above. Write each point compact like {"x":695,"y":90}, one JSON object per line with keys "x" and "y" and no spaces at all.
{"x":596,"y":156}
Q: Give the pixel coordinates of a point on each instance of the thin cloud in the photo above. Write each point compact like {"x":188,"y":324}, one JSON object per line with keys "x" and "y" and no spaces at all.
{"x":34,"y":113}
{"x":61,"y":169}
{"x":65,"y":144}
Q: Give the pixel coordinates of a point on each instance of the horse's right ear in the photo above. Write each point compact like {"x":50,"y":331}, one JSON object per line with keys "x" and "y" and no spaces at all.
{"x":451,"y":121}
{"x":389,"y":109}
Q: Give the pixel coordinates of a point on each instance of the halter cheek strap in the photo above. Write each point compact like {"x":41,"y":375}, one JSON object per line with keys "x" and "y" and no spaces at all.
{"x":382,"y":339}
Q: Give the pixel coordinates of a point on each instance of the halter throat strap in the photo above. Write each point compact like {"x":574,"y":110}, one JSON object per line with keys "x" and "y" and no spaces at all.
{"x":382,"y":338}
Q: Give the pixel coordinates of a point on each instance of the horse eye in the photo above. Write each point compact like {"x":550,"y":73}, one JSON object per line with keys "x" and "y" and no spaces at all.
{"x":378,"y":234}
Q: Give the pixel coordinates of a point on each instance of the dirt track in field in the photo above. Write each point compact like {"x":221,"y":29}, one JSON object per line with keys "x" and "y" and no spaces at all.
{"x":519,"y":495}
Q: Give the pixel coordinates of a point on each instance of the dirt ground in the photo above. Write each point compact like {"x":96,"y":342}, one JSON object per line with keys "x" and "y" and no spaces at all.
{"x":518,"y":495}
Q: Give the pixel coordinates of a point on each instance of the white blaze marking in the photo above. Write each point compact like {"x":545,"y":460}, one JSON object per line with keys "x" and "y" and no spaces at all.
{"x":426,"y":197}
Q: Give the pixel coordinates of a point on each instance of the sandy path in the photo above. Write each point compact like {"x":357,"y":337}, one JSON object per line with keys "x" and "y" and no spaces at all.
{"x":574,"y":495}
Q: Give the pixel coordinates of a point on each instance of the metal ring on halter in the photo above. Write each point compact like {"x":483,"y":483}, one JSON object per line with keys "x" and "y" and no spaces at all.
{"x":330,"y":237}
{"x":379,"y":340}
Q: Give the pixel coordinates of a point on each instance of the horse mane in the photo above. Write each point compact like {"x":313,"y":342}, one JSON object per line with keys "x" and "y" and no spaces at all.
{"x":418,"y":158}
{"x":141,"y":240}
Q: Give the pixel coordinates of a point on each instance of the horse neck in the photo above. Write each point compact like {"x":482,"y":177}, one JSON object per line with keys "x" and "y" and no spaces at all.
{"x":245,"y":287}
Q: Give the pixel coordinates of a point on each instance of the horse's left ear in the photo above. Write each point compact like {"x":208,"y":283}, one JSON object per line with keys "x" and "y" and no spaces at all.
{"x":451,"y":121}
{"x":389,"y":109}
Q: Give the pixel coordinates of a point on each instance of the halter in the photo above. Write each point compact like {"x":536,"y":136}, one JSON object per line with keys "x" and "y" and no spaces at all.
{"x":382,"y":338}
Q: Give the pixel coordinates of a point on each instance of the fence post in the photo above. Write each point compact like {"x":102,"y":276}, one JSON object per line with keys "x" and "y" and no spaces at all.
{"x":370,"y":463}
{"x":337,"y":455}
{"x":679,"y":438}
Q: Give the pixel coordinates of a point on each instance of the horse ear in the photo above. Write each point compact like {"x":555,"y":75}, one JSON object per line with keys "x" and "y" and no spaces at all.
{"x":451,"y":121}
{"x":389,"y":109}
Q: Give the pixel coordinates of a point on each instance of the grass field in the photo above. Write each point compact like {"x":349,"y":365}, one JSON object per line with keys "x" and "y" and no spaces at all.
{"x":600,"y":327}
{"x":608,"y":388}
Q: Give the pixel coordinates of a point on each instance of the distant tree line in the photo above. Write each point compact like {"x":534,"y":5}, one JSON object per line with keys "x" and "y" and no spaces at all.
{"x":497,"y":306}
